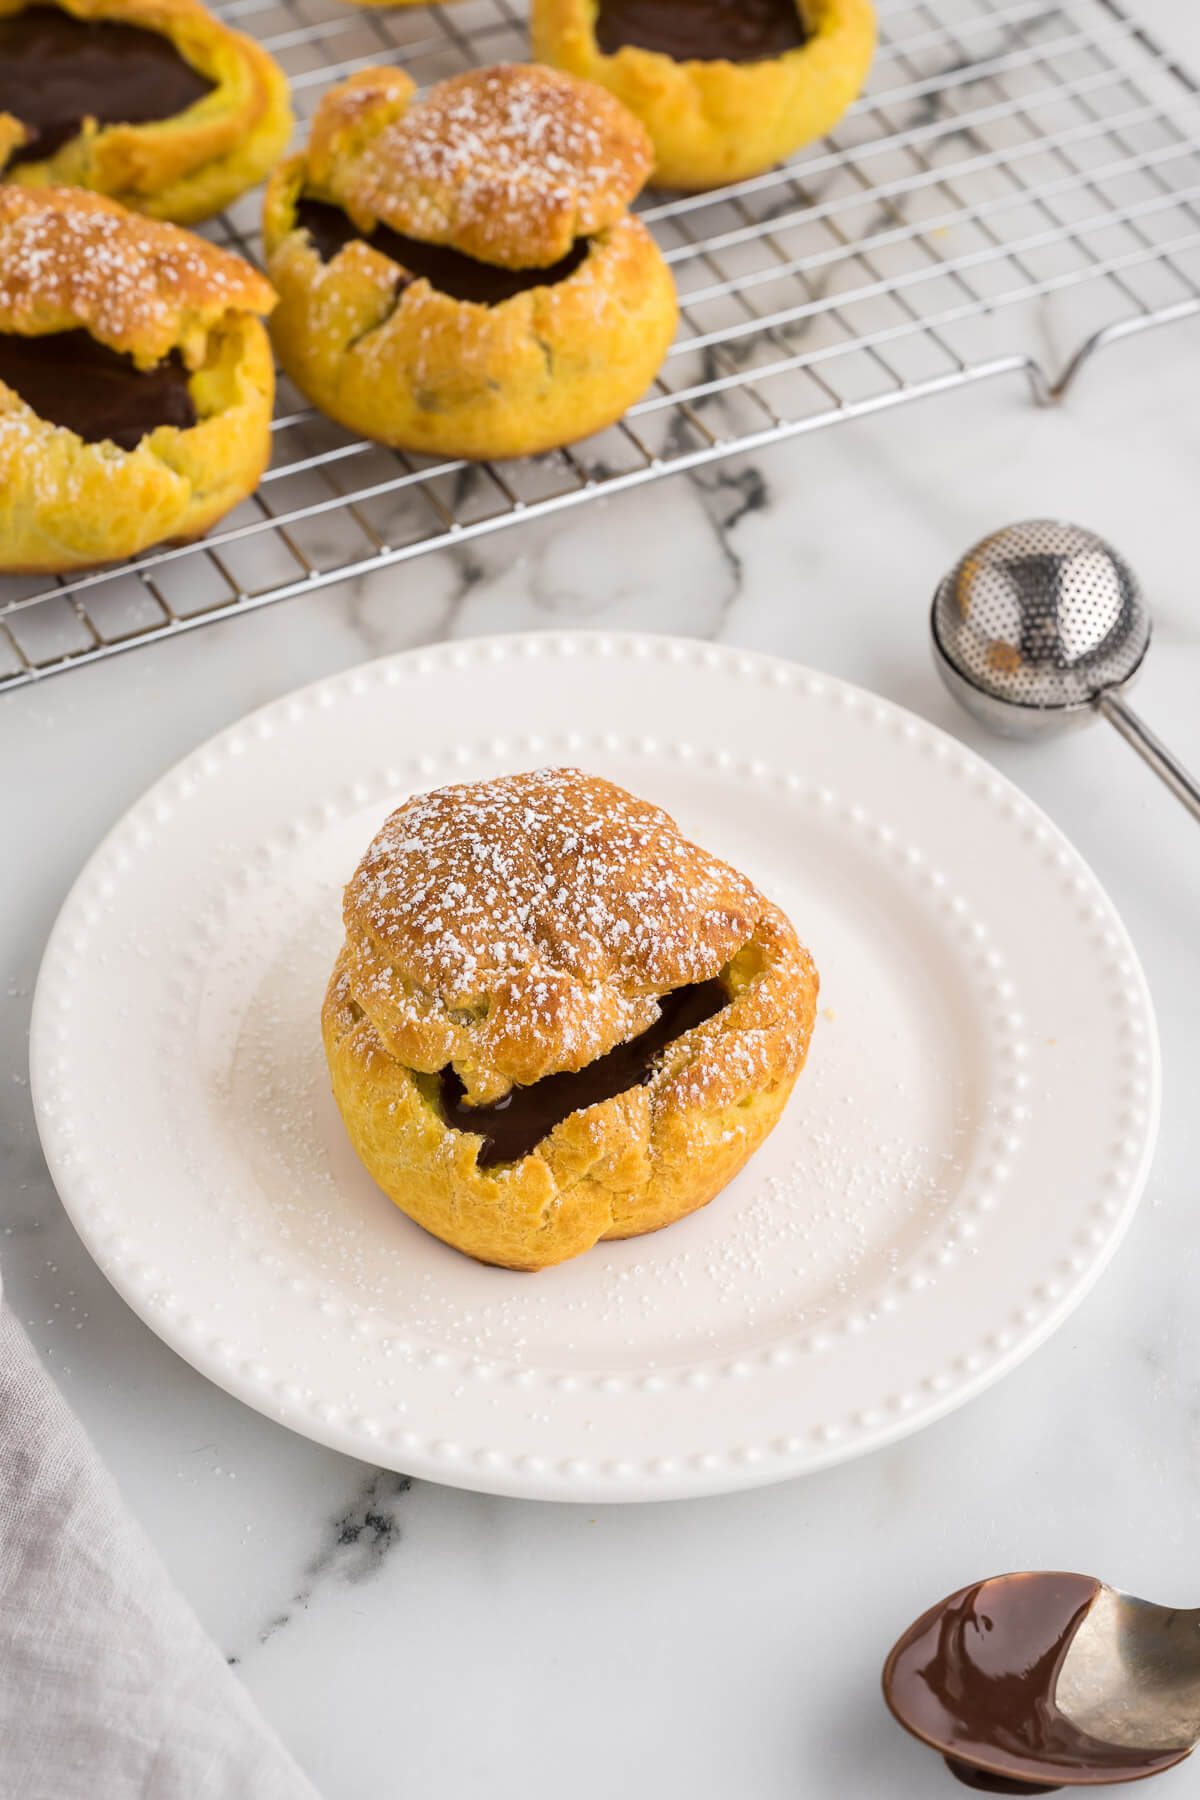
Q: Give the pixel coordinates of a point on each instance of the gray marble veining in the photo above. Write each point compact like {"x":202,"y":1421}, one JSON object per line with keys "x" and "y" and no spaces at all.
{"x":442,"y":1643}
{"x":356,"y":1544}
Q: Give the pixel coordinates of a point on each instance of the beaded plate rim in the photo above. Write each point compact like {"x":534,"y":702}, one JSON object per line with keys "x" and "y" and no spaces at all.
{"x":92,"y":1197}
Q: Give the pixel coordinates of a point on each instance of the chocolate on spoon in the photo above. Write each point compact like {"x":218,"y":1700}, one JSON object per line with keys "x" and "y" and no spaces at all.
{"x":1031,"y":1682}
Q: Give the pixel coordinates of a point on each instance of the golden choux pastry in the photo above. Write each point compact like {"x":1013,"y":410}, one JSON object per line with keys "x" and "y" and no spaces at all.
{"x":555,"y":1020}
{"x":153,"y":102}
{"x":725,"y":88}
{"x":136,"y":381}
{"x":460,"y":275}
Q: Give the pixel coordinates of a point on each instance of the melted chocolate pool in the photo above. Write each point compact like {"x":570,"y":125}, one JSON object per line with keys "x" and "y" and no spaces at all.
{"x":514,"y":1126}
{"x":976,"y":1677}
{"x":56,"y":71}
{"x":447,"y":270}
{"x":737,"y":31}
{"x":70,"y":379}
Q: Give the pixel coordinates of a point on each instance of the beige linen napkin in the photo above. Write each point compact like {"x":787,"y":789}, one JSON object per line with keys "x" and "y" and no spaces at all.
{"x":109,"y":1688}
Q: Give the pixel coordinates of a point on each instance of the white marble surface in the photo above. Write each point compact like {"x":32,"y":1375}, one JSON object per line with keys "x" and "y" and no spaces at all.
{"x":420,"y":1640}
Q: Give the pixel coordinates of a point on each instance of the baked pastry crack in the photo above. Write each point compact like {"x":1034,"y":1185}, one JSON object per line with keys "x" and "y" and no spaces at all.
{"x":460,"y":275}
{"x":724,"y":87}
{"x":136,"y":381}
{"x":555,"y":1020}
{"x":153,"y":102}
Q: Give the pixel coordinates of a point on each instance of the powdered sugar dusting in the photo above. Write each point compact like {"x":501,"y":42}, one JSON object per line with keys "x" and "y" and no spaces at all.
{"x":537,"y":915}
{"x":554,"y":864}
{"x":508,"y":163}
{"x":72,"y":259}
{"x":864,"y":1174}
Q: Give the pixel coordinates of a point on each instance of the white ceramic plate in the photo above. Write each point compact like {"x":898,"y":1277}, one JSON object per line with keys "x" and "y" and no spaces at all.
{"x":955,"y":1168}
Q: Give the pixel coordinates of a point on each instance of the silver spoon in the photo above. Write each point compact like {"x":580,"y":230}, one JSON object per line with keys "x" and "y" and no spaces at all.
{"x":1041,"y":1680}
{"x":1040,"y":627}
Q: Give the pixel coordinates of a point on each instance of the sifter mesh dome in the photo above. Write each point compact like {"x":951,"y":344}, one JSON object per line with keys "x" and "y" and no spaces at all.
{"x":1042,"y":614}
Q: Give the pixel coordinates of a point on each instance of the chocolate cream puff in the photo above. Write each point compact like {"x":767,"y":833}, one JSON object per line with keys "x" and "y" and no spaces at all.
{"x":460,"y":275}
{"x":153,"y":102}
{"x":724,"y":87}
{"x":554,"y":1020}
{"x":136,"y":381}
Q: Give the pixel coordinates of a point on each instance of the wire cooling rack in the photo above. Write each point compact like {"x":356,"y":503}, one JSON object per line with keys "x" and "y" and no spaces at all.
{"x":1019,"y":186}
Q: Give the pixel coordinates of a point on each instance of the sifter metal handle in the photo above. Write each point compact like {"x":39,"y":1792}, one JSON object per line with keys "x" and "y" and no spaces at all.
{"x":1118,"y":712}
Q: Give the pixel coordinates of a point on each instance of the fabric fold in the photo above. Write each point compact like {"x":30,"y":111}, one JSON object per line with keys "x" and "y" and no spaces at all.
{"x":109,"y":1686}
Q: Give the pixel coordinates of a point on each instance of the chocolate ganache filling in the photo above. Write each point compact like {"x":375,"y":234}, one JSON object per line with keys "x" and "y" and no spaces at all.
{"x":737,"y":31}
{"x":57,"y":70}
{"x":977,"y":1676}
{"x":72,"y":380}
{"x":452,"y":273}
{"x":514,"y":1126}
